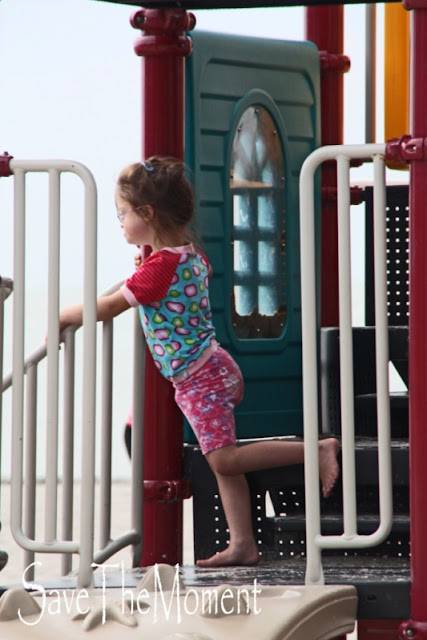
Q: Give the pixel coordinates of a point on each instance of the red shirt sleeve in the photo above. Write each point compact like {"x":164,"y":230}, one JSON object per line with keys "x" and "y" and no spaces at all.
{"x":151,"y":281}
{"x":206,"y":262}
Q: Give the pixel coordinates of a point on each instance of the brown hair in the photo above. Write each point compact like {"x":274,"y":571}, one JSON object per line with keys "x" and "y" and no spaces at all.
{"x":160,"y":182}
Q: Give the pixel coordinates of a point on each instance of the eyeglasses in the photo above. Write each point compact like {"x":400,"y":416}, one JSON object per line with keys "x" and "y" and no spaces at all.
{"x":121,"y":215}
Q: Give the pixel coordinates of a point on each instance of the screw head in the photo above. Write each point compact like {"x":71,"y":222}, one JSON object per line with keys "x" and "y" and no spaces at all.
{"x":139,"y":19}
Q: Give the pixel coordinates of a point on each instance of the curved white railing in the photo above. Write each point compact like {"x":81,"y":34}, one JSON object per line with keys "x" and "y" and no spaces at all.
{"x":27,"y":368}
{"x":6,"y":288}
{"x":350,"y":538}
{"x":54,"y":168}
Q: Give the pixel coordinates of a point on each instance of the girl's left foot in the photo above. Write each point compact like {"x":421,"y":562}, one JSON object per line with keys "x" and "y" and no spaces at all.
{"x":245,"y":556}
{"x":328,"y":464}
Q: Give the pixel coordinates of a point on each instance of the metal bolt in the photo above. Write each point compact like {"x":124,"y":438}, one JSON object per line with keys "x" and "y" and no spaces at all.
{"x":139,"y":19}
{"x":409,"y":633}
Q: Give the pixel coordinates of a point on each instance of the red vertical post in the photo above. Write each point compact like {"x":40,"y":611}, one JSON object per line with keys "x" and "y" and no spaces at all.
{"x":163,"y":46}
{"x":417,"y":627}
{"x":325,"y":27}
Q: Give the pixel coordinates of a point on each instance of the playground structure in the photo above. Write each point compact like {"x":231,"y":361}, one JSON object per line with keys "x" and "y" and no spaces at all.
{"x":303,"y":130}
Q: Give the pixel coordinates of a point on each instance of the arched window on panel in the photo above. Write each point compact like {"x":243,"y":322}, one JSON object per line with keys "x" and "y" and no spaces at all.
{"x":257,"y":185}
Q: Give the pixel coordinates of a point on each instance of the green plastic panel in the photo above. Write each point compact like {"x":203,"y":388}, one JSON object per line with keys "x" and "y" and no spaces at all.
{"x":224,"y":76}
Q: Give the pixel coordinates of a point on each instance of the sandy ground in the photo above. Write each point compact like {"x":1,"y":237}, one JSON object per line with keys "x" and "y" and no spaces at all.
{"x":51,"y":563}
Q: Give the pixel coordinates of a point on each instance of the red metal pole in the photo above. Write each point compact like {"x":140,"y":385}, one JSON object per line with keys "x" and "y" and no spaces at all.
{"x":417,"y":627}
{"x":325,"y":27}
{"x":163,"y":46}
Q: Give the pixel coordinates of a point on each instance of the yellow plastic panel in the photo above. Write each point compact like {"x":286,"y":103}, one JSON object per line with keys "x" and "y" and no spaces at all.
{"x":396,"y":73}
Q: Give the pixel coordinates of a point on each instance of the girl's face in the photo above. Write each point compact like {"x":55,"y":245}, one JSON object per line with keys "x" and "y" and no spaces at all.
{"x":136,"y":229}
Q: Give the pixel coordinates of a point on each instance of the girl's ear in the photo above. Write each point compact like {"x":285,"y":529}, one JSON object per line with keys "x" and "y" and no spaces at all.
{"x":148,"y":212}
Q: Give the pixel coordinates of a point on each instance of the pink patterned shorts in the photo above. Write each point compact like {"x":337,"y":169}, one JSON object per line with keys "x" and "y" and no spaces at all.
{"x":208,"y":398}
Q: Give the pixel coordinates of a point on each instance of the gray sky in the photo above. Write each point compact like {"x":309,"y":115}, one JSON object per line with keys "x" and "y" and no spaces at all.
{"x":70,"y":88}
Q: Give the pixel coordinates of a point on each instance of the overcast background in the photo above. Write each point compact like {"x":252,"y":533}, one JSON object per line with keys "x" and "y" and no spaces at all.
{"x":70,"y":88}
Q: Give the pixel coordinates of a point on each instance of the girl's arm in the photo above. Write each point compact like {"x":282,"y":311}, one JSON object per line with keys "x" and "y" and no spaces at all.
{"x":107,"y":307}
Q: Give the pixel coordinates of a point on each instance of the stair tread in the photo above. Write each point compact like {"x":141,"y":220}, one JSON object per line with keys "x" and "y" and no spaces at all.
{"x":366,"y":451}
{"x":334,"y":522}
{"x":366,"y":442}
{"x":379,"y":580}
{"x":397,"y":398}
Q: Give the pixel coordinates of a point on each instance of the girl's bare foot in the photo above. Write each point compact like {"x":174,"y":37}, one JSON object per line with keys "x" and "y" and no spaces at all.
{"x":244,"y":556}
{"x":328,"y":464}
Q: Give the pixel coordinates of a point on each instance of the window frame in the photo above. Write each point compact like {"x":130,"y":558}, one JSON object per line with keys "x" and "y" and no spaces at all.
{"x":252,"y":99}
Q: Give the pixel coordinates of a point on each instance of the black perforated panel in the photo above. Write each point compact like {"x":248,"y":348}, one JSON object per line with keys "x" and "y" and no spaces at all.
{"x":397,"y":218}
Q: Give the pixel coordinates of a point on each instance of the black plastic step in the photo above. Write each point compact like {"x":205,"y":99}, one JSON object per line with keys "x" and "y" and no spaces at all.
{"x":398,"y":399}
{"x":288,"y":537}
{"x":287,"y":492}
{"x":365,"y":411}
{"x":285,"y":486}
{"x":383,"y":584}
{"x":364,"y":377}
{"x":366,"y":457}
{"x":333,"y":525}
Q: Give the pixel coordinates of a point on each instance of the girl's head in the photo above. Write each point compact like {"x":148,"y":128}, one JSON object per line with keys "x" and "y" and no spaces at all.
{"x":158,"y":191}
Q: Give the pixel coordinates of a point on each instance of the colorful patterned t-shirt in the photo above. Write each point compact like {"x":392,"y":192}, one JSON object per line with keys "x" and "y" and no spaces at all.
{"x":171,"y":288}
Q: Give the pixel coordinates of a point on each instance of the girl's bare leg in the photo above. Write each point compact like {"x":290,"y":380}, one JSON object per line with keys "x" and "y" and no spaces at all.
{"x":242,"y":549}
{"x":266,"y":454}
{"x":230,"y":463}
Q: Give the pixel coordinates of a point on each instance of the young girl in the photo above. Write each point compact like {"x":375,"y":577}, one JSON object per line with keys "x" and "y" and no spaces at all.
{"x":171,"y":287}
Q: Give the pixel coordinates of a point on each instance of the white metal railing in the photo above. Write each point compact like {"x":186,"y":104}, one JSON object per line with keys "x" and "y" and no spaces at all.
{"x":24,"y":533}
{"x":6,"y":288}
{"x":350,"y":538}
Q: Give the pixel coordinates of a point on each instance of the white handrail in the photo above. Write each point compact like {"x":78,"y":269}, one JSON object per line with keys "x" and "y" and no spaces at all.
{"x":107,"y":546}
{"x":40,"y":353}
{"x":54,"y":167}
{"x":315,"y":542}
{"x":6,"y":288}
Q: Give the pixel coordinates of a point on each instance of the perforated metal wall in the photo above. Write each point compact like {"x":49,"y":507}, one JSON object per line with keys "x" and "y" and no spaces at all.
{"x":397,"y":218}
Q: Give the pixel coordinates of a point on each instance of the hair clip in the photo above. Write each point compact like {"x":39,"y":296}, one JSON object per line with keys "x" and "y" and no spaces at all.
{"x":147,"y":166}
